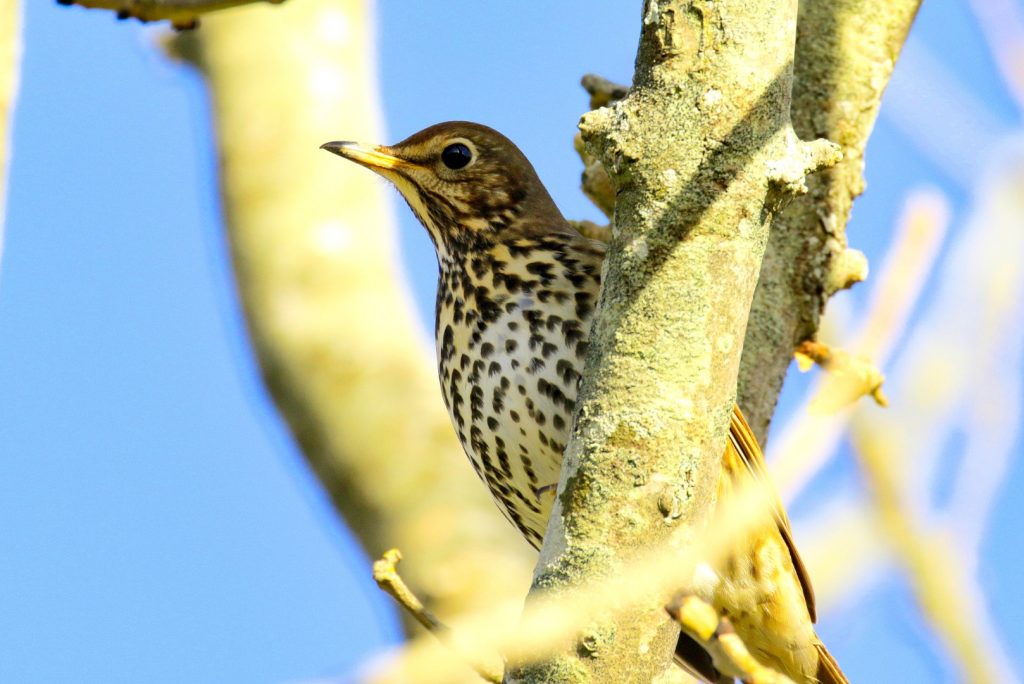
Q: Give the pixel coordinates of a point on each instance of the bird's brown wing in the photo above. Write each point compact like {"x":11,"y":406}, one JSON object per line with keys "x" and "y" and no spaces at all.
{"x":743,"y":441}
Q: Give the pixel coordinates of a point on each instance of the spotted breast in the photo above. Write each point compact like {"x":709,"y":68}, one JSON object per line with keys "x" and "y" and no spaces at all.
{"x":512,"y":321}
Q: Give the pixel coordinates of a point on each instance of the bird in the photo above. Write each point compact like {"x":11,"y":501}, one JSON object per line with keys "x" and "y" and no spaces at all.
{"x":517,"y":290}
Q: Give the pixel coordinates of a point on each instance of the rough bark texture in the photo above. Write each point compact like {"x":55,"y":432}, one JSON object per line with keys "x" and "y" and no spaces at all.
{"x":845,"y":52}
{"x":10,"y":62}
{"x":701,"y":152}
{"x":313,"y":246}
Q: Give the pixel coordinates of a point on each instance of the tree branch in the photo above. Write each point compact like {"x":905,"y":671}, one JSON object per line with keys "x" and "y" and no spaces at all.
{"x":385,"y":573}
{"x":944,"y":589}
{"x":10,"y":66}
{"x":314,"y":254}
{"x":701,"y":154}
{"x":845,"y":53}
{"x":183,"y":14}
{"x":802,"y":447}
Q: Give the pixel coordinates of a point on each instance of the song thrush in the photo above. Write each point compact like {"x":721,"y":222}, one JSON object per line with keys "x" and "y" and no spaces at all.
{"x":515,"y":298}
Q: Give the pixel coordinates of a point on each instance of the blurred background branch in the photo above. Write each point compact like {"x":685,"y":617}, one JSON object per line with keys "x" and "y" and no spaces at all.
{"x":328,"y":311}
{"x":10,"y":69}
{"x":182,"y":14}
{"x":959,"y":377}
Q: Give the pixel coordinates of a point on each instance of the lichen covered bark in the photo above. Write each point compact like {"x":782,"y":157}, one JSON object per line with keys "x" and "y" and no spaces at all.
{"x":313,"y":247}
{"x":845,"y":53}
{"x":701,"y":154}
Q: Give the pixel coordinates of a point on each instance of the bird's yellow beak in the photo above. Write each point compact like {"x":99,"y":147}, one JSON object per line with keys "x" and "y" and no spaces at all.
{"x":366,"y":155}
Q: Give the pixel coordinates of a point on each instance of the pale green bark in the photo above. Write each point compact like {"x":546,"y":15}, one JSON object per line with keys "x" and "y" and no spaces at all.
{"x":313,"y":246}
{"x":10,"y":64}
{"x":701,"y":153}
{"x":845,"y":53}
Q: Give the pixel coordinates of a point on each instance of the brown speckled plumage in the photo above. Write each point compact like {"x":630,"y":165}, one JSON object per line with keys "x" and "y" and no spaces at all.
{"x":517,"y":290}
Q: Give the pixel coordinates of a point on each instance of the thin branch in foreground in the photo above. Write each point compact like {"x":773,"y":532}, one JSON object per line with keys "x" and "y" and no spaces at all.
{"x":385,"y":573}
{"x":554,"y":620}
{"x":716,"y":635}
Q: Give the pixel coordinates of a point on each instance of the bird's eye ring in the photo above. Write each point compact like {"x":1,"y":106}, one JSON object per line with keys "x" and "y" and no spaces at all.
{"x":456,"y":156}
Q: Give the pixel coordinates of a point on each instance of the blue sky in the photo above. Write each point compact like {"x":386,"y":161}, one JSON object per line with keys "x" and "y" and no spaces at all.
{"x":156,"y":523}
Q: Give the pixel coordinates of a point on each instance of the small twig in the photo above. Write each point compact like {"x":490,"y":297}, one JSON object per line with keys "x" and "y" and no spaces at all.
{"x":856,"y":375}
{"x":805,"y":446}
{"x":602,"y":91}
{"x":594,"y":181}
{"x":385,"y":573}
{"x":593,"y":231}
{"x":596,"y":184}
{"x":716,"y":635}
{"x":554,"y":620}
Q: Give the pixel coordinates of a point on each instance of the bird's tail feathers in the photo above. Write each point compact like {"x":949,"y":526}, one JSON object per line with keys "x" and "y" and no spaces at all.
{"x":828,"y":668}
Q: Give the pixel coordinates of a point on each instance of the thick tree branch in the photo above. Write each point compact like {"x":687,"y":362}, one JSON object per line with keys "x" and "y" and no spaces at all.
{"x":701,"y":154}
{"x":181,"y":13}
{"x":313,"y":246}
{"x":10,"y":65}
{"x":845,"y":53}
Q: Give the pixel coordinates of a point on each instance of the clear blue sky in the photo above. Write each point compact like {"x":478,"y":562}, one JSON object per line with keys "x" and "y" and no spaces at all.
{"x":156,"y":523}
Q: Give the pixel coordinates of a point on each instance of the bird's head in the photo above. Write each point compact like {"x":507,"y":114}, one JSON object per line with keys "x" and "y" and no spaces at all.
{"x":467,"y":184}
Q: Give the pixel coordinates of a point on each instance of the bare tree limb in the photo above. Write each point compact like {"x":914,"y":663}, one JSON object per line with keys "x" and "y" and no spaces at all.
{"x":183,"y":14}
{"x":701,"y":154}
{"x":331,"y":321}
{"x":10,"y":67}
{"x":845,"y":53}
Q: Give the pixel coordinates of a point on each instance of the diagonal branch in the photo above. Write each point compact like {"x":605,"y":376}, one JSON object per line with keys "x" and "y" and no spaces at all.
{"x":947,"y":594}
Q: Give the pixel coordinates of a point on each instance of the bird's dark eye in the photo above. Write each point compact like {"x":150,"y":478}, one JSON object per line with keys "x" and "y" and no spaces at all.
{"x":456,"y":156}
